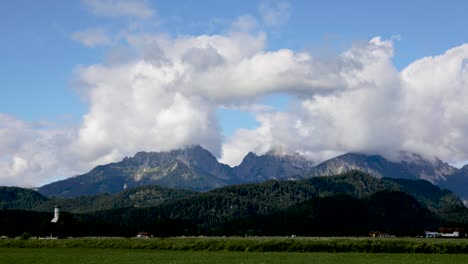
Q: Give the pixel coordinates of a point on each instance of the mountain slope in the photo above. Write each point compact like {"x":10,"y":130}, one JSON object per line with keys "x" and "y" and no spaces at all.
{"x":458,"y":183}
{"x":374,"y":165}
{"x":268,"y":208}
{"x":191,"y":168}
{"x":399,"y":213}
{"x":272,"y":165}
{"x":145,"y":196}
{"x":20,"y":198}
{"x":272,"y":196}
{"x":432,"y":196}
{"x":197,"y":169}
{"x":414,"y":167}
{"x":352,"y":203}
{"x":393,"y":212}
{"x":266,"y":196}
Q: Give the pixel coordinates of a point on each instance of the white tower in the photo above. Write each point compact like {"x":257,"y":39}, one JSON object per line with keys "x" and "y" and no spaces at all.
{"x":56,"y":214}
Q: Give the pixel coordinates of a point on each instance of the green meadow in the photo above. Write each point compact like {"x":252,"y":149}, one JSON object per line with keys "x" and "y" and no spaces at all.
{"x":257,"y":244}
{"x":136,"y":256}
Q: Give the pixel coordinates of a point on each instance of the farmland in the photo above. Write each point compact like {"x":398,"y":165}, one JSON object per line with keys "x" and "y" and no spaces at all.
{"x":257,"y":244}
{"x":115,"y":256}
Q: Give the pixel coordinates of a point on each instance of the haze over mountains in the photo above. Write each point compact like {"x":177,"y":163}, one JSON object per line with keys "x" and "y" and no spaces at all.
{"x":195,"y":168}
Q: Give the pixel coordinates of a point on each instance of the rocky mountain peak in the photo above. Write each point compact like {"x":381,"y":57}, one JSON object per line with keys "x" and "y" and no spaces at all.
{"x":196,"y":168}
{"x":464,"y":168}
{"x":413,"y":166}
{"x":256,"y":168}
{"x":194,"y":154}
{"x":278,"y":152}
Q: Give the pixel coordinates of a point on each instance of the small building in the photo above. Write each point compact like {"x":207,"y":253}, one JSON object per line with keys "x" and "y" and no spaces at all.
{"x":452,"y":232}
{"x":446,"y":233}
{"x":432,"y":234}
{"x":143,"y":235}
{"x":378,"y":234}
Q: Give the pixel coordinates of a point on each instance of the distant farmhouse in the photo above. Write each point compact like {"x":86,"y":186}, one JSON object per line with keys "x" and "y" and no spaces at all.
{"x":446,"y":233}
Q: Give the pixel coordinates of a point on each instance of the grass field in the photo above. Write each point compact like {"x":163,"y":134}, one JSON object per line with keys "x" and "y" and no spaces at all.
{"x":136,"y":256}
{"x":258,"y":244}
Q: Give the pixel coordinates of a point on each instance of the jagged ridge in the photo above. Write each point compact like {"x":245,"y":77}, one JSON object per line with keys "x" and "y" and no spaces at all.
{"x":197,"y":169}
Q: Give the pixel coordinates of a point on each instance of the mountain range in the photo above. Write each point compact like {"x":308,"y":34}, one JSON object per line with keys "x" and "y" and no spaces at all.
{"x":195,"y":168}
{"x":352,"y":203}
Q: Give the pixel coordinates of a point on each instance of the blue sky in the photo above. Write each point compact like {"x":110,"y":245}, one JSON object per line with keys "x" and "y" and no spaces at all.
{"x":39,"y":56}
{"x":112,"y":77}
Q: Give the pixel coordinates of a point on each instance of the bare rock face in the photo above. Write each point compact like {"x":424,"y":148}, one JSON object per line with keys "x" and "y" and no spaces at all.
{"x":195,"y":168}
{"x":373,"y":165}
{"x":190,"y":168}
{"x":458,"y":183}
{"x":272,"y":165}
{"x":414,"y":167}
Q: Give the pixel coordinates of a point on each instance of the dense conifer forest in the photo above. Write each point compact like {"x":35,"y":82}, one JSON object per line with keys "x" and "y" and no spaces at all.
{"x":350,"y":204}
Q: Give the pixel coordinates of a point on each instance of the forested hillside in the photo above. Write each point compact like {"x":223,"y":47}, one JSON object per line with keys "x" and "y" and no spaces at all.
{"x":20,"y":198}
{"x":352,"y":203}
{"x":145,"y":196}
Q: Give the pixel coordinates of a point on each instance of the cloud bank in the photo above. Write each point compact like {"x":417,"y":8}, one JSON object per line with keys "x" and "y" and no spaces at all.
{"x":377,"y":110}
{"x":34,"y":152}
{"x":166,"y":97}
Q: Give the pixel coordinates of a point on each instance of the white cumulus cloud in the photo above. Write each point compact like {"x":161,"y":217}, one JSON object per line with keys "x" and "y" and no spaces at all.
{"x":377,"y":110}
{"x":34,"y":153}
{"x":166,"y":97}
{"x":140,"y":106}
